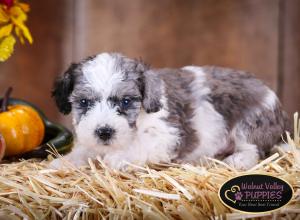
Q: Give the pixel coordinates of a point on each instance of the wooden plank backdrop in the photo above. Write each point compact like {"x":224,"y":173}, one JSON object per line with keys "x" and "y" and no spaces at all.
{"x":262,"y":37}
{"x":289,"y":59}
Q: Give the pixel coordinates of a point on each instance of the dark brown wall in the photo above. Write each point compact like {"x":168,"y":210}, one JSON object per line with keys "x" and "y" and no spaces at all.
{"x":254,"y":35}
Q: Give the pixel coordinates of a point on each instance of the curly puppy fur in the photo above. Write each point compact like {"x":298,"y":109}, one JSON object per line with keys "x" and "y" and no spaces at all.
{"x":125,"y":112}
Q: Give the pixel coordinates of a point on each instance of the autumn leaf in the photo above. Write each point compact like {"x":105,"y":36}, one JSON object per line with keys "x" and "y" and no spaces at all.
{"x":12,"y":23}
{"x":20,"y":35}
{"x":6,"y":30}
{"x":25,"y":7}
{"x":17,"y":13}
{"x":3,"y":16}
{"x":7,"y":47}
{"x":24,"y":29}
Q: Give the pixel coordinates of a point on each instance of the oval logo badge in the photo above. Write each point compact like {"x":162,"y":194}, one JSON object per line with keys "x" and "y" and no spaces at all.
{"x":255,"y":193}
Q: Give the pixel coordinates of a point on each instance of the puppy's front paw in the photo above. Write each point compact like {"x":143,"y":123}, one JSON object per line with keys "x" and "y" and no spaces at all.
{"x":242,"y":160}
{"x":116,"y":161}
{"x":57,"y":164}
{"x":62,"y":163}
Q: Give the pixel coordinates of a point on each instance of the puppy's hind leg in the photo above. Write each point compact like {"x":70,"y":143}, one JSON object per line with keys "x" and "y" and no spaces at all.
{"x":244,"y":157}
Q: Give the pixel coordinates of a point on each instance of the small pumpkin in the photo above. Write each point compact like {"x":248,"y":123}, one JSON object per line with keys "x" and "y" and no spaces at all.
{"x":21,"y":127}
{"x":56,"y":136}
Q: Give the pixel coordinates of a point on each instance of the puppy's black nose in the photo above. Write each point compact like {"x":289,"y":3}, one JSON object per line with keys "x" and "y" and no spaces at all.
{"x":105,"y":133}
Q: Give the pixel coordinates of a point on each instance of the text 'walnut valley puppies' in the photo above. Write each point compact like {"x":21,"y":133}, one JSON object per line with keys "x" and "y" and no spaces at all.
{"x":123,"y":111}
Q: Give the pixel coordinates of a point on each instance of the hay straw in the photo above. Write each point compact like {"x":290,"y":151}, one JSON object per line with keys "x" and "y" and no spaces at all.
{"x":30,"y":190}
{"x":162,"y":195}
{"x":264,"y":162}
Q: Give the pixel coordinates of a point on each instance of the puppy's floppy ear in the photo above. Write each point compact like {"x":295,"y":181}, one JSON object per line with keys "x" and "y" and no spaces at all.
{"x":63,"y":87}
{"x":152,"y":91}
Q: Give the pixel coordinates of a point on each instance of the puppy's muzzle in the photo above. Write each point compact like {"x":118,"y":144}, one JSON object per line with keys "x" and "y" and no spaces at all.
{"x":105,"y":133}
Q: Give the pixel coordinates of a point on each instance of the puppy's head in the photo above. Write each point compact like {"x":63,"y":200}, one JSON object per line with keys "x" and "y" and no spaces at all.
{"x":105,"y":94}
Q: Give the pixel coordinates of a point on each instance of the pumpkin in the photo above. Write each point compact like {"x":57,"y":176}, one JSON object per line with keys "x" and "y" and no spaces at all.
{"x":21,"y":127}
{"x":56,"y":136}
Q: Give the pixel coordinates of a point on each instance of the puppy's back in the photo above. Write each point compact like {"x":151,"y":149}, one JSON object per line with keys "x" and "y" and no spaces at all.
{"x":249,"y":107}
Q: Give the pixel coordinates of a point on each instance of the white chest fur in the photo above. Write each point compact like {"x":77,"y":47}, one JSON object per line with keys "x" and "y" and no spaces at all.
{"x":155,"y":138}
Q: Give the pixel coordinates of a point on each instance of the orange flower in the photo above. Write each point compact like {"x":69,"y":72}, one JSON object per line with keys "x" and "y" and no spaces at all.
{"x":12,"y":18}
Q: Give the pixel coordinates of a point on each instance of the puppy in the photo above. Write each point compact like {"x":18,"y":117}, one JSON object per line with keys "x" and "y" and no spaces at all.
{"x":124,"y":111}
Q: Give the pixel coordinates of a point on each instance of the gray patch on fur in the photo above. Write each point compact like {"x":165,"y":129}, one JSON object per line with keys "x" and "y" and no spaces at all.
{"x":127,"y":89}
{"x":131,"y":86}
{"x":235,"y":94}
{"x":139,"y":81}
{"x":82,"y":90}
{"x":177,"y":90}
{"x":265,"y":129}
{"x":152,"y":92}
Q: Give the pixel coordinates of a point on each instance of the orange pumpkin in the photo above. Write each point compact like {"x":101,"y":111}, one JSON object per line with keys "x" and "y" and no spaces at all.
{"x":22,"y":129}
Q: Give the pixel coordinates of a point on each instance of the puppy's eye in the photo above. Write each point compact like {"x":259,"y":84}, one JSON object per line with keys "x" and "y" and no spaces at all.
{"x":84,"y":103}
{"x":125,"y":102}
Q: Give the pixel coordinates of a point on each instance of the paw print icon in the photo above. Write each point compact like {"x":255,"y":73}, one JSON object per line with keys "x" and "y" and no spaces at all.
{"x":238,"y":196}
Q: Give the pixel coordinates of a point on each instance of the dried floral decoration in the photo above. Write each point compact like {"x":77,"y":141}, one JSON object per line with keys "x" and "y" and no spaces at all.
{"x":12,"y":23}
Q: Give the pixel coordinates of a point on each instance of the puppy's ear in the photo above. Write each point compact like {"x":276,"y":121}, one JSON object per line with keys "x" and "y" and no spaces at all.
{"x":63,"y":87}
{"x":152,"y":91}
